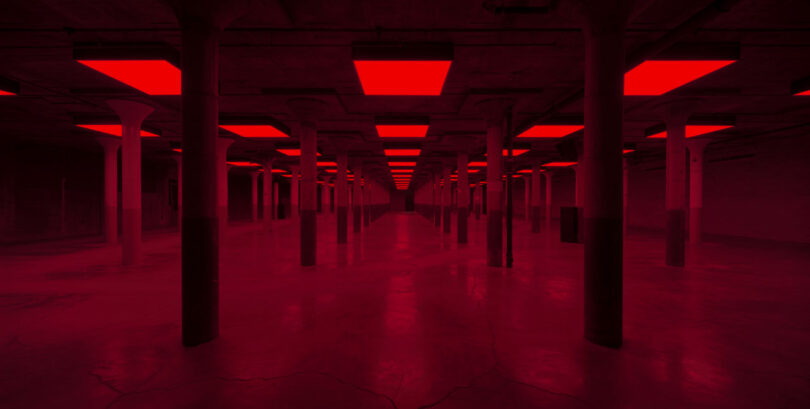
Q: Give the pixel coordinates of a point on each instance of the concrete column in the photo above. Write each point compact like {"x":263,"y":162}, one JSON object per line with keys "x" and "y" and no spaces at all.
{"x":535,"y":210}
{"x":254,"y":196}
{"x":625,"y":175}
{"x":324,"y":194}
{"x":295,"y":181}
{"x":494,"y":111}
{"x":179,"y":160}
{"x":330,"y":192}
{"x":696,"y":148}
{"x":580,"y":188}
{"x":446,"y":199}
{"x":676,"y":184}
{"x":477,"y":195}
{"x":222,"y":184}
{"x":267,"y":194}
{"x":357,"y":210}
{"x":367,"y":202}
{"x":463,"y":197}
{"x":437,"y":199}
{"x":548,"y":207}
{"x":342,"y":197}
{"x":308,"y":111}
{"x":110,"y":146}
{"x":527,"y":199}
{"x":275,"y":200}
{"x":604,"y":75}
{"x":132,"y":115}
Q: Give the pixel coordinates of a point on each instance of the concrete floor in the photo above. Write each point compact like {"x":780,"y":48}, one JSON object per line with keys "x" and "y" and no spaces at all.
{"x":401,"y":317}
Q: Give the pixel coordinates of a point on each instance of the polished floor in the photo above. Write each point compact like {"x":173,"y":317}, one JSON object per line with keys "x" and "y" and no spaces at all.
{"x":401,"y":317}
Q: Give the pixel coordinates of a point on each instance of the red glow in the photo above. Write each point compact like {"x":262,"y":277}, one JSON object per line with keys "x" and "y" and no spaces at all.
{"x":115,"y":130}
{"x":694,"y":130}
{"x":477,"y":164}
{"x":255,"y":131}
{"x":402,"y":77}
{"x":402,"y":152}
{"x":401,"y":163}
{"x":278,"y":171}
{"x":800,"y":93}
{"x":525,"y":171}
{"x":515,"y":152}
{"x":243,"y":164}
{"x":293,"y":152}
{"x":628,"y":150}
{"x":402,"y":131}
{"x":153,"y":77}
{"x":178,"y":150}
{"x":6,"y":92}
{"x":559,"y":164}
{"x":327,"y":164}
{"x":401,"y":170}
{"x":659,"y":77}
{"x":550,"y":131}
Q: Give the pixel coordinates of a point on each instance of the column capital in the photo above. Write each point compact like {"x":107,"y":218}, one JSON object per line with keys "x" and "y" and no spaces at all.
{"x":130,"y":112}
{"x":697,"y":145}
{"x":109,"y":143}
{"x":306,"y":110}
{"x":494,"y":109}
{"x":678,"y":111}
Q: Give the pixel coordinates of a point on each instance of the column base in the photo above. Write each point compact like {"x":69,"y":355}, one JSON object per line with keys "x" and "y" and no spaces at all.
{"x":446,"y":218}
{"x":676,"y":234}
{"x":200,"y":280}
{"x":308,"y":236}
{"x":357,"y":213}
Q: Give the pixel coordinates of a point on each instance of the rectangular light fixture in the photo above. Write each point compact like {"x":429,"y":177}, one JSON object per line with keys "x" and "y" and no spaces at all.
{"x":402,"y":152}
{"x":178,"y":150}
{"x":401,"y":170}
{"x":558,"y":164}
{"x":3,"y":92}
{"x":115,"y":130}
{"x":550,"y":131}
{"x":237,"y":163}
{"x":657,"y":77}
{"x":402,"y":131}
{"x":255,"y":131}
{"x":515,"y":152}
{"x":693,"y":130}
{"x":393,"y":164}
{"x":800,"y":87}
{"x":402,"y":77}
{"x":484,"y":164}
{"x":153,"y":77}
{"x":292,"y":152}
{"x":327,"y":164}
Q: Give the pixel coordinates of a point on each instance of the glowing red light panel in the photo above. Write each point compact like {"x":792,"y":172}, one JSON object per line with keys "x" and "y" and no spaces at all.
{"x":115,"y":130}
{"x":293,"y":152}
{"x":659,"y":77}
{"x":255,"y":131}
{"x":402,"y":152}
{"x":178,"y":150}
{"x":694,"y":130}
{"x":243,"y":163}
{"x":6,"y":92}
{"x":484,"y":164}
{"x":401,"y":170}
{"x":330,"y":164}
{"x":402,"y":131}
{"x":401,"y":163}
{"x":402,"y":77}
{"x":153,"y":77}
{"x":559,"y":164}
{"x":550,"y":131}
{"x":800,"y":93}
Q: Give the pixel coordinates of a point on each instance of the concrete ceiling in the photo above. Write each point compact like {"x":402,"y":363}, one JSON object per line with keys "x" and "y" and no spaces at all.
{"x":287,"y":48}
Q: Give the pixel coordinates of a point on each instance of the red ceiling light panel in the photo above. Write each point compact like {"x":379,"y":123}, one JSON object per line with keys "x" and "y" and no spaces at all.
{"x":694,"y":130}
{"x":6,"y":92}
{"x":401,"y":164}
{"x":153,"y":77}
{"x":292,"y":152}
{"x":402,"y":152}
{"x":402,"y":77}
{"x":115,"y":130}
{"x":255,"y":131}
{"x":550,"y":131}
{"x":402,"y":131}
{"x":660,"y":77}
{"x":236,"y":163}
{"x":559,"y":164}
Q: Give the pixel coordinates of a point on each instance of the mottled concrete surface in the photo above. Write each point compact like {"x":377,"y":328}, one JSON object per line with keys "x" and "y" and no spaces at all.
{"x":402,"y":317}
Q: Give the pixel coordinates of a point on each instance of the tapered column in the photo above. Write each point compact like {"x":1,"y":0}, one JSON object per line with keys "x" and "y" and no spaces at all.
{"x":535,"y":210}
{"x":267,"y":194}
{"x":548,"y":174}
{"x":275,"y":200}
{"x":307,"y":111}
{"x":132,"y":115}
{"x":494,"y":111}
{"x":696,"y":149}
{"x":446,"y":199}
{"x":463,"y":197}
{"x":295,"y":183}
{"x":254,"y":196}
{"x":604,"y":83}
{"x":357,"y":210}
{"x":222,"y":184}
{"x":342,"y":197}
{"x":110,"y":146}
{"x":676,"y":114}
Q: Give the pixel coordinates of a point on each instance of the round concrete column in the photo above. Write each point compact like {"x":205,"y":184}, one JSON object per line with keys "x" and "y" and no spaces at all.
{"x":254,"y":196}
{"x":295,"y":181}
{"x":494,"y":111}
{"x":437,"y":199}
{"x":268,"y":214}
{"x":579,"y":192}
{"x":696,"y":148}
{"x":463,"y":197}
{"x":625,"y":197}
{"x":604,"y":83}
{"x":357,"y":190}
{"x":676,"y":116}
{"x":535,"y":210}
{"x":110,"y":146}
{"x":132,"y":115}
{"x":222,"y":184}
{"x":548,"y":174}
{"x":367,"y":202}
{"x":324,"y":192}
{"x":527,"y":198}
{"x":178,"y":159}
{"x":308,"y":111}
{"x":342,"y":197}
{"x":446,"y":199}
{"x":477,"y":199}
